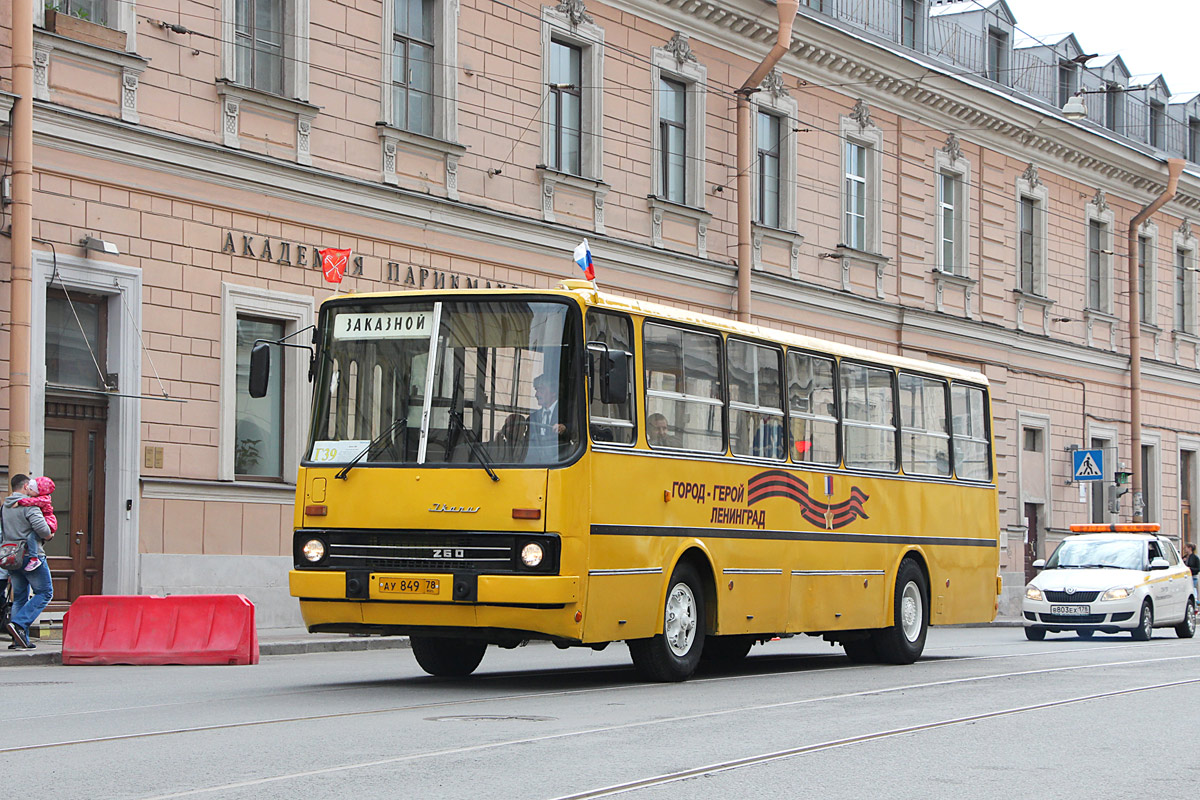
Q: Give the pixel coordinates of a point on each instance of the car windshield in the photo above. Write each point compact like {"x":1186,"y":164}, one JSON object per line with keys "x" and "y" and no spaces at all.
{"x":1099,"y":553}
{"x":501,"y":387}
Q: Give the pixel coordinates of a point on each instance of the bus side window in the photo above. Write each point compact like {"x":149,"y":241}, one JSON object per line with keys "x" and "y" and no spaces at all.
{"x":868,"y":417}
{"x":755,"y":402}
{"x":609,"y":422}
{"x":924,"y":435}
{"x":972,"y":456}
{"x":683,"y":386}
{"x":812,"y":410}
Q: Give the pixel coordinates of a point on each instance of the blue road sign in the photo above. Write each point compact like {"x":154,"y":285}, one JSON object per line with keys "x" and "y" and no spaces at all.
{"x":1088,"y":465}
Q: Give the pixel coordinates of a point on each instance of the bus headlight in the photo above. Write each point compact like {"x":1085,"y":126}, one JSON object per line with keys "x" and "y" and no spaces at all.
{"x":1119,"y":593}
{"x":1033,"y":593}
{"x":313,"y":550}
{"x":532,"y":554}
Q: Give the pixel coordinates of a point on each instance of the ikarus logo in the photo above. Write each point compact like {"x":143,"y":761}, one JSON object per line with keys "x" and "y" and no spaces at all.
{"x":442,"y":508}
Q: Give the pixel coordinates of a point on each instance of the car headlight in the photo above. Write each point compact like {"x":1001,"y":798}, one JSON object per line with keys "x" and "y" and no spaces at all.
{"x":1033,"y":593}
{"x":313,"y":550}
{"x":532,"y":554}
{"x":1119,"y":593}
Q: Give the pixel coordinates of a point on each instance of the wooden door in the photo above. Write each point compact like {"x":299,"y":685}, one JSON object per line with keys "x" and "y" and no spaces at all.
{"x":74,"y":458}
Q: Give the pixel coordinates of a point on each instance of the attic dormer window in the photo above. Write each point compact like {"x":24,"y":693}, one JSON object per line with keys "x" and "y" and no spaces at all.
{"x":997,"y":55}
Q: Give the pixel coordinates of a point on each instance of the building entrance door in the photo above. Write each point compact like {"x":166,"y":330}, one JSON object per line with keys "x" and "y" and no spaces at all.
{"x":1032,"y":544}
{"x":74,"y":459}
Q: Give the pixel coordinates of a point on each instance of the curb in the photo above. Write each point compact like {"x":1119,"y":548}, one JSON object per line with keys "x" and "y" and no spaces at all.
{"x":334,"y":645}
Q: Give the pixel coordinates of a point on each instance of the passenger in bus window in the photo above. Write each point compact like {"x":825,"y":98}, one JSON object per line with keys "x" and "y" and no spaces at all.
{"x":658,"y":432}
{"x":768,"y":439}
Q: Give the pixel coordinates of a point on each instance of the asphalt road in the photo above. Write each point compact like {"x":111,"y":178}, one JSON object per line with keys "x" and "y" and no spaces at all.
{"x":985,"y":714}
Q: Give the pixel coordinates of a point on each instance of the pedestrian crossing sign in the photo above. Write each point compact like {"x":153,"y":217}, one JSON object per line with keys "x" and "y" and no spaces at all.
{"x":1088,"y":464}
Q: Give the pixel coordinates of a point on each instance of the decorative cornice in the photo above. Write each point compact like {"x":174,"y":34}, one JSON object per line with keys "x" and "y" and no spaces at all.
{"x":679,"y":47}
{"x":575,"y":11}
{"x":953,"y":148}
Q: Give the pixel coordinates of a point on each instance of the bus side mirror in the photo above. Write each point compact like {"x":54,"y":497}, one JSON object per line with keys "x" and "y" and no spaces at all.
{"x":260,"y":368}
{"x":614,"y":378}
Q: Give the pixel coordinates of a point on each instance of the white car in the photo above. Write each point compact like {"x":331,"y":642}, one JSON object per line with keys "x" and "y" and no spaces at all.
{"x":1111,"y":582}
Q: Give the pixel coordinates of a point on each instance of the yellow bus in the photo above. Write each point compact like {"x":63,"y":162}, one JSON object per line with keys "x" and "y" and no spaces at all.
{"x":497,"y":466}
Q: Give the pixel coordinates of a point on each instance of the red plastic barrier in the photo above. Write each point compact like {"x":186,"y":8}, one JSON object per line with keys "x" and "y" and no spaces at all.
{"x":148,"y":629}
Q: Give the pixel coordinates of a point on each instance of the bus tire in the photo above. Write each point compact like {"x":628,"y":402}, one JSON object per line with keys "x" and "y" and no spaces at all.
{"x":725,"y":651}
{"x":674,"y":654}
{"x":903,"y":642}
{"x":447,"y":658}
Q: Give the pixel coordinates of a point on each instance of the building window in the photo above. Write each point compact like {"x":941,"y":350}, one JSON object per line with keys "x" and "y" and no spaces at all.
{"x":412,"y":66}
{"x":672,"y":132}
{"x":76,"y":332}
{"x":1184,"y":292}
{"x":1158,"y":124}
{"x":1028,"y":245}
{"x":910,"y":22}
{"x":91,"y":10}
{"x":949,"y":201}
{"x":1033,"y":440}
{"x":1095,"y":266}
{"x":815,"y":5}
{"x":565,"y":105}
{"x":769,"y":177}
{"x":1150,"y":483}
{"x":261,"y":437}
{"x":258,"y":32}
{"x":258,"y":426}
{"x":854,"y":229}
{"x":1145,"y":280}
{"x":1114,"y":108}
{"x":1067,"y":82}
{"x":997,"y":55}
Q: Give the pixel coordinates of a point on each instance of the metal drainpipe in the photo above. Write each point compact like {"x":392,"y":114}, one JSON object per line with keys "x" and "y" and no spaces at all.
{"x":1174,"y":168}
{"x":745,"y":149}
{"x":21,"y":131}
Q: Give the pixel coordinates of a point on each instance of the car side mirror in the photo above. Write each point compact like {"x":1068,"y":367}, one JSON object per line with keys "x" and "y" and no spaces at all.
{"x":260,"y":368}
{"x":1039,"y":564}
{"x":1159,"y":563}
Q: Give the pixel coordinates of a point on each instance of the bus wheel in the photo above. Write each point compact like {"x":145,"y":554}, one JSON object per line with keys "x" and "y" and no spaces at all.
{"x":725,"y":651}
{"x":674,"y":654}
{"x":903,"y":642}
{"x":447,"y":658}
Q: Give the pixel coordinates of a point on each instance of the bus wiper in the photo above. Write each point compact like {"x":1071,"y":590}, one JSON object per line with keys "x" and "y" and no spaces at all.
{"x":473,"y":444}
{"x":399,"y":424}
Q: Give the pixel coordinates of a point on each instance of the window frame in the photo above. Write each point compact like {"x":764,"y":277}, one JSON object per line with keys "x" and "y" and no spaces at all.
{"x":787,"y":109}
{"x":997,"y":45}
{"x":633,"y":381}
{"x":557,"y":27}
{"x":731,"y":405}
{"x":1148,"y":274}
{"x":294,"y":55}
{"x":694,"y":77}
{"x":847,"y":423}
{"x":960,"y":169}
{"x":1038,"y":195}
{"x":721,"y":401}
{"x":297,"y":313}
{"x":870,"y":139}
{"x":987,"y":438}
{"x":837,"y":405}
{"x":945,"y":382}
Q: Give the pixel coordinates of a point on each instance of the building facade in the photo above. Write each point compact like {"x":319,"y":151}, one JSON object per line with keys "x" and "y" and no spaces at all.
{"x":917,"y":190}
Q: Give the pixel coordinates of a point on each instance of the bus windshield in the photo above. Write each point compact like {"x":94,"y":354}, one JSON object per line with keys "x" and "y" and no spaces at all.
{"x":501,"y":387}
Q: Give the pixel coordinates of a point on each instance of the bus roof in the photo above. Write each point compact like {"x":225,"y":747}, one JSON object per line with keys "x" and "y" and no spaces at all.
{"x":586,"y":294}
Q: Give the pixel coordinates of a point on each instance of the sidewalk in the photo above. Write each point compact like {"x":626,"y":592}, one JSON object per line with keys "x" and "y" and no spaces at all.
{"x":295,"y":641}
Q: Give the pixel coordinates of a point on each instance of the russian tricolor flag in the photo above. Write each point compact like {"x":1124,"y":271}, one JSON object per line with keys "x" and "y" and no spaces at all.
{"x":583,"y":257}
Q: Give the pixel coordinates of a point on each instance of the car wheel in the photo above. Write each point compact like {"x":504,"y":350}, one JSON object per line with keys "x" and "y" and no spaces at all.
{"x":1145,"y":628}
{"x":1035,"y":634}
{"x":1187,"y":628}
{"x":447,"y":658}
{"x":903,"y":642}
{"x":725,"y":651}
{"x":674,"y":654}
{"x":1084,"y":633}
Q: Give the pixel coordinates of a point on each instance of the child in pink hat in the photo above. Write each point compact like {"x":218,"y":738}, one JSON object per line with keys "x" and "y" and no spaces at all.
{"x":45,"y":487}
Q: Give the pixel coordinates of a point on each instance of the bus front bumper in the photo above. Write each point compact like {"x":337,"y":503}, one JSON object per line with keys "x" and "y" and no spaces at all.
{"x":542,"y":603}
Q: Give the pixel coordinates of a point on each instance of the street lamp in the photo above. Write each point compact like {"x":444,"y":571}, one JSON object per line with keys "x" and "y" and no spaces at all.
{"x":1075,"y":108}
